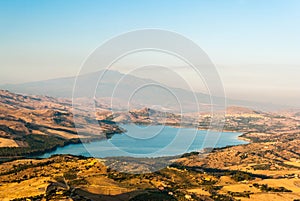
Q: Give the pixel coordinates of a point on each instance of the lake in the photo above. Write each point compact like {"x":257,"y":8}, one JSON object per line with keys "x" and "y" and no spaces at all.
{"x":151,"y":141}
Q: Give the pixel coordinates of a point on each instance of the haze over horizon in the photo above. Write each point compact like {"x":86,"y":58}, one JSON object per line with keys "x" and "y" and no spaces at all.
{"x":254,"y":44}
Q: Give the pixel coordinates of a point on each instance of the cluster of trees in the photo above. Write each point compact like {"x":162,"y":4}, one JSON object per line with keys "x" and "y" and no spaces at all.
{"x":242,"y":176}
{"x":266,"y":188}
{"x":153,"y":195}
{"x":222,"y":197}
{"x":21,"y":167}
{"x":261,"y":167}
{"x":245,"y":194}
{"x":32,"y":198}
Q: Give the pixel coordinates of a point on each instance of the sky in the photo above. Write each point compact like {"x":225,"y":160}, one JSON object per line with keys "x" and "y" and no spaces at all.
{"x":254,"y":44}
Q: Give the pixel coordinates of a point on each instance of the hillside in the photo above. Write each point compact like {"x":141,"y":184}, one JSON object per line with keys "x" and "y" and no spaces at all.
{"x":33,"y":124}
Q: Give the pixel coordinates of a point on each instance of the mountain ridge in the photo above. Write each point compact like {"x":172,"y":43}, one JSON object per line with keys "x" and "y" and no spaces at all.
{"x":63,"y":88}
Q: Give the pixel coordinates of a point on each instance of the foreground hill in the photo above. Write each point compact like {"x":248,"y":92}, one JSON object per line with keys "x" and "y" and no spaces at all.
{"x":257,"y":172}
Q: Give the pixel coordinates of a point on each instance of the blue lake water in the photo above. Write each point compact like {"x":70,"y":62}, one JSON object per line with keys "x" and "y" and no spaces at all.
{"x":151,"y":141}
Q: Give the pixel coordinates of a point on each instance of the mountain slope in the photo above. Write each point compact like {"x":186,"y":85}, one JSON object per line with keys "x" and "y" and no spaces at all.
{"x":139,"y":92}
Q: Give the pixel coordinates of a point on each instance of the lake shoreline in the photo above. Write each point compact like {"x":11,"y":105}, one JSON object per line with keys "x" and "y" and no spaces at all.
{"x":75,"y":141}
{"x":136,"y":150}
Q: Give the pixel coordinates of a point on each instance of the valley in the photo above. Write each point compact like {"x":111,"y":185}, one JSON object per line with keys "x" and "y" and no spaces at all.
{"x":267,"y":168}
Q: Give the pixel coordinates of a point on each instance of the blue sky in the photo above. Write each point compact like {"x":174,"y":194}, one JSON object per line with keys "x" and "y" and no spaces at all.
{"x":247,"y":39}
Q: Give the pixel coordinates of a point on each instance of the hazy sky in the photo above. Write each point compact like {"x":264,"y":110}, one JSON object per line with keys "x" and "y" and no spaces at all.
{"x":254,"y":43}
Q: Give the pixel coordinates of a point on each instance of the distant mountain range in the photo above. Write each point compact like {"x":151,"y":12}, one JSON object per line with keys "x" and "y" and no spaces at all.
{"x":124,"y":89}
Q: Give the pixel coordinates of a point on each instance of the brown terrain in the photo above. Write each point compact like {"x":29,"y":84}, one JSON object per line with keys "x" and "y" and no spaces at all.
{"x":34,"y":124}
{"x":267,"y":168}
